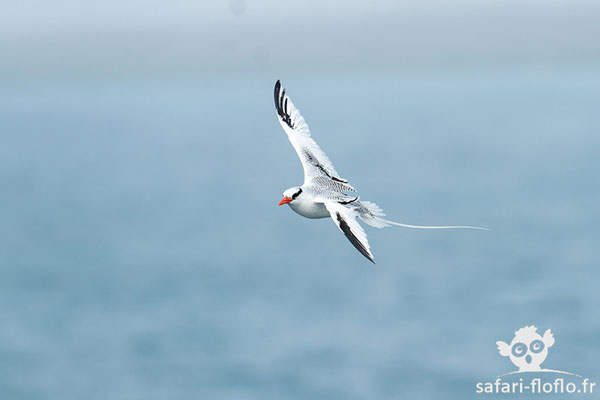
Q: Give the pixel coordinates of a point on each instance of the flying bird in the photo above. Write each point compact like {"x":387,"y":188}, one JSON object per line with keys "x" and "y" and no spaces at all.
{"x":324,"y":194}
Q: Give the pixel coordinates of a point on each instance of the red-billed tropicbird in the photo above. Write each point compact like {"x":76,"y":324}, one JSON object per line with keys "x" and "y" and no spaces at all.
{"x":323,"y":193}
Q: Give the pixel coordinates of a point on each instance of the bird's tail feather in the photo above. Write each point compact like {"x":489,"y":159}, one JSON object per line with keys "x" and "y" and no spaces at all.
{"x":435,"y":227}
{"x":375,"y":214}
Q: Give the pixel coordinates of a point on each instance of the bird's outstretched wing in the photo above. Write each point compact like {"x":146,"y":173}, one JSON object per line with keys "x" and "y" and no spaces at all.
{"x":345,"y":219}
{"x":317,"y":166}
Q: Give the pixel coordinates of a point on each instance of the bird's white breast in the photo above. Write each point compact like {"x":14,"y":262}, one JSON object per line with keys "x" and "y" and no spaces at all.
{"x":309,"y":209}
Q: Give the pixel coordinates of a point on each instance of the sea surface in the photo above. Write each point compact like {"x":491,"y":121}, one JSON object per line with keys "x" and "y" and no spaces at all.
{"x":143,"y":255}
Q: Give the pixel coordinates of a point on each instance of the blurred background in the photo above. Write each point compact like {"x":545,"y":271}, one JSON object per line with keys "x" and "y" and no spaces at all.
{"x":142,"y":255}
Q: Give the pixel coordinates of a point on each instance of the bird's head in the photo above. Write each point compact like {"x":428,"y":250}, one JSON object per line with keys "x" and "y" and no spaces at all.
{"x":290,"y":195}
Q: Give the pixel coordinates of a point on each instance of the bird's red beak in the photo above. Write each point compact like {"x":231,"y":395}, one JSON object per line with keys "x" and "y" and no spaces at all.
{"x":285,"y":200}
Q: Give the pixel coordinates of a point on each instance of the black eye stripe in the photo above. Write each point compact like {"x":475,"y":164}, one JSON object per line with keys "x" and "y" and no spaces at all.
{"x":296,"y":194}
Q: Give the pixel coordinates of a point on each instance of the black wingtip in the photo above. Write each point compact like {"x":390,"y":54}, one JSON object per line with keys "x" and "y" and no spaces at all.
{"x":352,"y":238}
{"x":276,"y":94}
{"x":281,"y":104}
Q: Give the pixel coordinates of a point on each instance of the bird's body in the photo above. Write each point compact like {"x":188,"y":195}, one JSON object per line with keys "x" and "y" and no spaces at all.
{"x":308,"y":208}
{"x":324,"y":193}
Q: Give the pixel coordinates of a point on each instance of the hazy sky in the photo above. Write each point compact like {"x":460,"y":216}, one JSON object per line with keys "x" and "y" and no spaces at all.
{"x":61,"y":36}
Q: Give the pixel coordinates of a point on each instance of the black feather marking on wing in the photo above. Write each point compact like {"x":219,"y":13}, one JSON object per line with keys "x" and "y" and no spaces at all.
{"x":281,"y":105}
{"x":352,"y":238}
{"x":349,"y":201}
{"x":276,"y":95}
{"x":312,"y":159}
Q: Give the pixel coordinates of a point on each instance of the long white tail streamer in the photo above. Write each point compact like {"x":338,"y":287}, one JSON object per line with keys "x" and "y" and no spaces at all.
{"x":434,"y":227}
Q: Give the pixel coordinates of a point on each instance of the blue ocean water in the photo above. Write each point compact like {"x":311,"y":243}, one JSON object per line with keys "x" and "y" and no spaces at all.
{"x":143,"y":255}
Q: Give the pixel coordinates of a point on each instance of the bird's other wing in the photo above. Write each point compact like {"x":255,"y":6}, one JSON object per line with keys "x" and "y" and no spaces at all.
{"x":345,"y":219}
{"x":315,"y":162}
